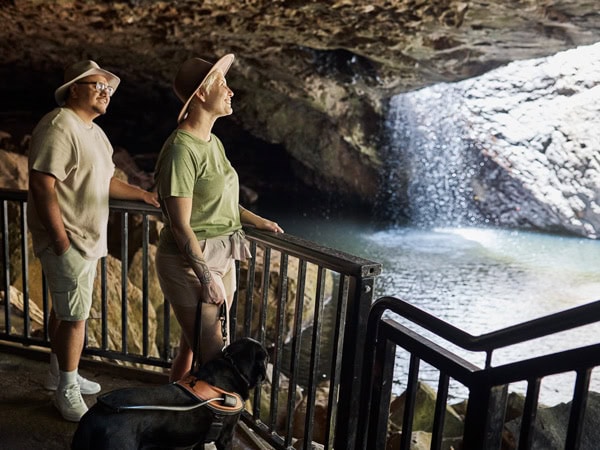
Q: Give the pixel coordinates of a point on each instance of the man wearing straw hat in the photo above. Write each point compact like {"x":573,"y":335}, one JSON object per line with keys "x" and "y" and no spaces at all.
{"x":70,"y":182}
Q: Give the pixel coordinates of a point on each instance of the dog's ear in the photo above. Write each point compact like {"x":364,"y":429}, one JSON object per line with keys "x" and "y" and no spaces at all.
{"x":251,"y":359}
{"x":261,"y":358}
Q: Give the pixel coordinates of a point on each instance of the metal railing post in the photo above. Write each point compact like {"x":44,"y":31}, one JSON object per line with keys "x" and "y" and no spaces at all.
{"x":5,"y":244}
{"x":348,"y":413}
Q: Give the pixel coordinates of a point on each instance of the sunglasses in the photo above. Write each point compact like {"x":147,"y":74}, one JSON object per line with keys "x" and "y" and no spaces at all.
{"x":99,"y":86}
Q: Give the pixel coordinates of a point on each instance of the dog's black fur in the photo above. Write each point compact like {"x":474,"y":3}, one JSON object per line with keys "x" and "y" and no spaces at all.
{"x":104,"y":428}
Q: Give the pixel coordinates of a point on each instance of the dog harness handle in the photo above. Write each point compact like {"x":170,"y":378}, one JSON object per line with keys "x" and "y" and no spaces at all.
{"x":109,"y":401}
{"x":232,"y":403}
{"x":162,"y":408}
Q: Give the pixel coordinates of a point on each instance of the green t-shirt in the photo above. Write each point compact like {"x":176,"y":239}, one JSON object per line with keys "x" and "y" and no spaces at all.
{"x":192,"y":168}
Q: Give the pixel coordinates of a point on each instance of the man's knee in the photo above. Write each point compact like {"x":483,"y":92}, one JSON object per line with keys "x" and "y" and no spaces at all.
{"x":74,"y":324}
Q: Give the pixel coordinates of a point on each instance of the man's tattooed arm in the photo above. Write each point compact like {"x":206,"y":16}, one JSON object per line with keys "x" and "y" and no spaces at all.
{"x":198,"y":264}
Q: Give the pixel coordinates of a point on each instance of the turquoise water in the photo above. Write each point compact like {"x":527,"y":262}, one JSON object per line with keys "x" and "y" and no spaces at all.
{"x":477,"y":279}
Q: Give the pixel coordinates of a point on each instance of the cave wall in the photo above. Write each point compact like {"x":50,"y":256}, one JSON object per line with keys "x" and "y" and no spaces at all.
{"x":312,"y":78}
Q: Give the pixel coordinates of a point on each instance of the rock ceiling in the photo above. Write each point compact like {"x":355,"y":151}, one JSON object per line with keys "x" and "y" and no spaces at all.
{"x":312,"y":76}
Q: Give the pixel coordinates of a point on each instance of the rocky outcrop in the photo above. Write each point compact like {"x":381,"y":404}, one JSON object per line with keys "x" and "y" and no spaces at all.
{"x":13,"y":170}
{"x":274,"y":295}
{"x":549,"y":430}
{"x":422,"y":417}
{"x":18,"y":306}
{"x":312,"y":77}
{"x":540,"y":140}
{"x":516,"y":147}
{"x":551,"y":423}
{"x":115,"y":326}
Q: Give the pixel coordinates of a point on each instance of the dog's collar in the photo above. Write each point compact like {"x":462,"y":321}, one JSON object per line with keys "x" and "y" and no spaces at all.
{"x":228,"y":357}
{"x":227,"y":402}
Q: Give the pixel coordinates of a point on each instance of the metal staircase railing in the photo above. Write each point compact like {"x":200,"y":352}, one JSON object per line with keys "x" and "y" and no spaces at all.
{"x":487,"y":385}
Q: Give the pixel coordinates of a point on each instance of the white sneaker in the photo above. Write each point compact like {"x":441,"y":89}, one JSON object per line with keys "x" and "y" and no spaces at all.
{"x":70,"y":403}
{"x":87,"y":387}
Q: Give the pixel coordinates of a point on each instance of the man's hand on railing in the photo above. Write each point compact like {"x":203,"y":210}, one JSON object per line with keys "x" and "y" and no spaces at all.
{"x":151,"y":198}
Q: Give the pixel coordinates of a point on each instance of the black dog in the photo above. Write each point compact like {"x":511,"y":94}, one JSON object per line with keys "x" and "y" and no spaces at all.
{"x":111,"y":424}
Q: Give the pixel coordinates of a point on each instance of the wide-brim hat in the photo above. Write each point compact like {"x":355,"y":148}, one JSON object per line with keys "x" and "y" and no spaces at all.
{"x":192,"y":74}
{"x":81,"y":70}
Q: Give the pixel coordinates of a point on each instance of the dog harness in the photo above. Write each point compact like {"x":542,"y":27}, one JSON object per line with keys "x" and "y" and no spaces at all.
{"x":229,"y":402}
{"x":220,"y":402}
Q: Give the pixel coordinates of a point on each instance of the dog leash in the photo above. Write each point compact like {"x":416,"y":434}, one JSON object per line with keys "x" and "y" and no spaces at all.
{"x":223,"y":318}
{"x":198,"y":331}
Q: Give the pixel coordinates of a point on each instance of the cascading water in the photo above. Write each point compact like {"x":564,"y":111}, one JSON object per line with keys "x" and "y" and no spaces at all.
{"x":427,"y":136}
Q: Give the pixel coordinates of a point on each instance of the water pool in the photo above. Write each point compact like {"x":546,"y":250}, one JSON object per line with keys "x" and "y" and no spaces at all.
{"x":477,"y":279}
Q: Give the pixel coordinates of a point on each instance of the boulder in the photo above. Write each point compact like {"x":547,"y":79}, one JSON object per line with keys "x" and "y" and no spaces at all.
{"x":274,"y":294}
{"x":113,"y":317}
{"x":14,"y":173}
{"x":155,"y":296}
{"x":281,"y":418}
{"x":17,"y":312}
{"x":319,"y":420}
{"x":423,"y":413}
{"x":419,"y":440}
{"x":551,"y":426}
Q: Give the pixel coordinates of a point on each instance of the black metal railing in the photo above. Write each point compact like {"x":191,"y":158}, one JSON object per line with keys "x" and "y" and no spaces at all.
{"x":311,"y":306}
{"x":332,"y":340}
{"x":308,"y":304}
{"x":18,"y":264}
{"x":487,"y":386}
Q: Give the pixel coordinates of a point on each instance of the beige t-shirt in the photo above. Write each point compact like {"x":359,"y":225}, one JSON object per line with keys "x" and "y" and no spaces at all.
{"x":80,"y":158}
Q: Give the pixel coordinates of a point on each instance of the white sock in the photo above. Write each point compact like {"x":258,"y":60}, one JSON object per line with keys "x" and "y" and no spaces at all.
{"x":53,"y":364}
{"x":67,"y":378}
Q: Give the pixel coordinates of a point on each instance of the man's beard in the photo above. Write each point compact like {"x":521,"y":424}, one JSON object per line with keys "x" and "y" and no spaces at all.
{"x":98,"y":110}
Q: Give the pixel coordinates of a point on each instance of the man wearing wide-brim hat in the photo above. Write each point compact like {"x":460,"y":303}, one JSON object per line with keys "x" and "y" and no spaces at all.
{"x":70,"y":181}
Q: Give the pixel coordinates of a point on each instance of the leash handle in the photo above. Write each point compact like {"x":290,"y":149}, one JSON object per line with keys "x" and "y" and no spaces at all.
{"x":225,"y":401}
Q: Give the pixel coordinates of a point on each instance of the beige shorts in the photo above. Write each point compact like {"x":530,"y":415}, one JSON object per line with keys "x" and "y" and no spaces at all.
{"x":179,"y":283}
{"x":70,"y":279}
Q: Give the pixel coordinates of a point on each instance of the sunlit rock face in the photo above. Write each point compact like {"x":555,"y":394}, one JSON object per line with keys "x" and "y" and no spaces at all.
{"x":516,"y":147}
{"x":541,"y":144}
{"x":313,"y":77}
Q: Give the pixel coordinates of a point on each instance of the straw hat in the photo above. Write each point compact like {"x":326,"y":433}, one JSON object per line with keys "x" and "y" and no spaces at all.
{"x":81,"y":70}
{"x":192,"y":74}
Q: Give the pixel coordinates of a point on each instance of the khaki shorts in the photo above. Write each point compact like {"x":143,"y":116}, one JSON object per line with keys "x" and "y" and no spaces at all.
{"x":179,"y":283}
{"x":71,"y":283}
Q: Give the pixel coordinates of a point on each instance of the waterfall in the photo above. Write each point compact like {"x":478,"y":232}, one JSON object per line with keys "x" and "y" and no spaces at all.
{"x":427,"y":146}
